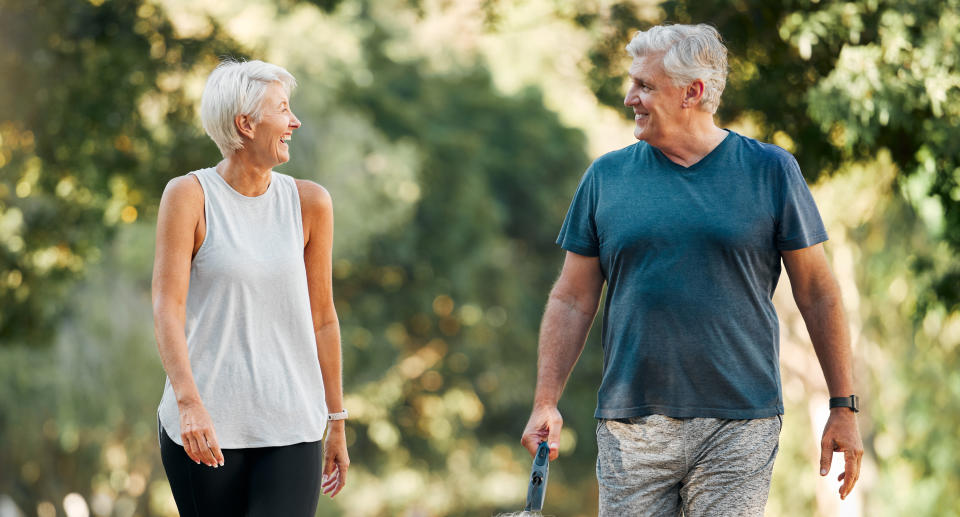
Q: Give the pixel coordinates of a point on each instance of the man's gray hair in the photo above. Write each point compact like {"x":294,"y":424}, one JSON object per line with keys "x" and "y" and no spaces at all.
{"x":237,"y":88}
{"x":691,"y":52}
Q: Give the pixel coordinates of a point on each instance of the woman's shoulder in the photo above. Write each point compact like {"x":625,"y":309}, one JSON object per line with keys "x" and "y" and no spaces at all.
{"x":184,"y":188}
{"x":313,"y":196}
{"x":183,"y":196}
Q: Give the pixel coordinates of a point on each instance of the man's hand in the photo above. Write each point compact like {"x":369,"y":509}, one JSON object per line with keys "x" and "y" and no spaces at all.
{"x":544,"y":425}
{"x":842,"y":434}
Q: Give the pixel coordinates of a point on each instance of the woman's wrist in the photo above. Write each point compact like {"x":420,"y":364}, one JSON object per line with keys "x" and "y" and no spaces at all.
{"x":188,"y":399}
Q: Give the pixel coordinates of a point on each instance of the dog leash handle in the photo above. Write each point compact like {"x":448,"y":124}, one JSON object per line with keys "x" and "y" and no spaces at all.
{"x":538,"y":478}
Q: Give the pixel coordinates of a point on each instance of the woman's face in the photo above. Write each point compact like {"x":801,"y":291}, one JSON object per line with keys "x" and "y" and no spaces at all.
{"x":277,"y":122}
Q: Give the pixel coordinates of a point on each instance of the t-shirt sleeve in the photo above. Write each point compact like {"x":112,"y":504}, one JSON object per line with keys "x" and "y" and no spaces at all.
{"x":798,"y":221}
{"x":579,"y":231}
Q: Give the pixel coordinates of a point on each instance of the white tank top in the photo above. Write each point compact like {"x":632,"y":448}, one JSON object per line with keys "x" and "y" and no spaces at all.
{"x":248,"y":323}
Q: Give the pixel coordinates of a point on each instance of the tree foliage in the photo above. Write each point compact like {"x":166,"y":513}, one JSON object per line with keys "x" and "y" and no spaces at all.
{"x":93,"y":121}
{"x":847,"y":85}
{"x":833,"y":82}
{"x":448,"y":194}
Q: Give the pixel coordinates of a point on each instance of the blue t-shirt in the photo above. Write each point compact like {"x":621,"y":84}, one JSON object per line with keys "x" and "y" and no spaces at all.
{"x":691,"y":257}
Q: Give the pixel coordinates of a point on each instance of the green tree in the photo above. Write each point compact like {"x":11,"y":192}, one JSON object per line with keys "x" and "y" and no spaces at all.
{"x":833,"y":82}
{"x":457,"y":291}
{"x":93,"y":122}
{"x":844,"y":85}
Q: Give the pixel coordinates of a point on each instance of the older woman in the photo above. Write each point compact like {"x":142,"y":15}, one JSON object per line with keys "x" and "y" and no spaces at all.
{"x":244,"y":315}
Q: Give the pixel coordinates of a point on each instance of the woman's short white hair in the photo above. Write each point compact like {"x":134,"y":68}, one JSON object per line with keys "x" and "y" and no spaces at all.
{"x":691,"y":52}
{"x":237,"y":88}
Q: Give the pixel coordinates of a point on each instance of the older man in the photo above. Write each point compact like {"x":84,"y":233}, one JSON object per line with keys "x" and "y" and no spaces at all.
{"x":688,"y":227}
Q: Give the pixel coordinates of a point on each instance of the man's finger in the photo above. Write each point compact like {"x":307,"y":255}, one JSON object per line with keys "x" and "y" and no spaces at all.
{"x":530,"y":442}
{"x":826,"y":455}
{"x":553,"y":440}
{"x":850,"y":472}
{"x":532,"y":437}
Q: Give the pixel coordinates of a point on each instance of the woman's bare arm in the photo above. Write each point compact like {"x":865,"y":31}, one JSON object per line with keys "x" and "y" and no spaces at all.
{"x":317,"y":210}
{"x":179,"y":234}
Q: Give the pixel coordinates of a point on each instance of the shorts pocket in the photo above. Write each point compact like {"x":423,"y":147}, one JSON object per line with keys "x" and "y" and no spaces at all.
{"x":601,"y":423}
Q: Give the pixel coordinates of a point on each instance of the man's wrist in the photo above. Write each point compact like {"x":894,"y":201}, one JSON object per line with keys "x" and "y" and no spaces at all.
{"x":545,"y":399}
{"x":849,"y":403}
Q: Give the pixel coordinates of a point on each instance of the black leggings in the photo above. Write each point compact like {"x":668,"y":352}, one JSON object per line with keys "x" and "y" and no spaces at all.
{"x":262,"y":481}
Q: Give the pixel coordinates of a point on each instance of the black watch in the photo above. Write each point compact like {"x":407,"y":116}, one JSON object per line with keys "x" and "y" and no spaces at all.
{"x":852,"y":402}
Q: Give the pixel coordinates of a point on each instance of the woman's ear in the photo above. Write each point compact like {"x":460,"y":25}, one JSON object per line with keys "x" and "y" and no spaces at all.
{"x":244,"y":124}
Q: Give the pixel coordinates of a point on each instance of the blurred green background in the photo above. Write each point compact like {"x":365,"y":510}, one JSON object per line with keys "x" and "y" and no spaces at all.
{"x":451,"y":135}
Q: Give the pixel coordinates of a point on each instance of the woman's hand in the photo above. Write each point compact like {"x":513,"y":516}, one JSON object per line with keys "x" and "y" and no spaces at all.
{"x":199,"y":438}
{"x":335,"y":459}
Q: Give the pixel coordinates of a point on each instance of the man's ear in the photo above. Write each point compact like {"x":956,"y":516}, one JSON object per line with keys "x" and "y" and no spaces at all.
{"x":693,"y":94}
{"x":244,"y":124}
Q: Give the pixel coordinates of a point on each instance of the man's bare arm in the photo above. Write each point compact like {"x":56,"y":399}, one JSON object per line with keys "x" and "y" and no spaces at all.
{"x":818,"y":298}
{"x":571,"y":309}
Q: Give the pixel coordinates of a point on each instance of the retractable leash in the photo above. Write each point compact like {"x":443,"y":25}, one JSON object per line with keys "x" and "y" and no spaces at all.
{"x":538,"y":479}
{"x":538,"y":484}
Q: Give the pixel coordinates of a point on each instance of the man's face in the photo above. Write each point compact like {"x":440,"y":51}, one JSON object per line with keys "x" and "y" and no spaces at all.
{"x":656,"y":102}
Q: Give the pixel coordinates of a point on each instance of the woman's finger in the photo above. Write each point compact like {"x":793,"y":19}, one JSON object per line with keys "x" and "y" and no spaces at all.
{"x":215,"y":449}
{"x":329,"y":465}
{"x":342,"y":478}
{"x":206,"y":455}
{"x":189,"y":446}
{"x":330,"y":481}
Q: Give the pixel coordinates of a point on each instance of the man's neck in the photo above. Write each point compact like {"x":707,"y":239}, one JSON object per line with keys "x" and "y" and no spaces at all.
{"x":693,"y":141}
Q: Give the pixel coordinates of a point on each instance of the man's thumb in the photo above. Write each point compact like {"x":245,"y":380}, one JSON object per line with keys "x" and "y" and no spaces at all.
{"x":553,"y":440}
{"x":826,"y":455}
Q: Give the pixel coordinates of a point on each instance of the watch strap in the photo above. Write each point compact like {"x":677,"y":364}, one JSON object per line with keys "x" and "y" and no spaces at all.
{"x":341,"y":415}
{"x":852,"y":402}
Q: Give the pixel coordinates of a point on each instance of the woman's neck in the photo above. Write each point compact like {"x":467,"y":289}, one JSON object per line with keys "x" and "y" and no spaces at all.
{"x":242,"y":175}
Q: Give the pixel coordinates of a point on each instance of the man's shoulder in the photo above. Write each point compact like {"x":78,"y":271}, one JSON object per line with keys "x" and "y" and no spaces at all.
{"x":755,"y":150}
{"x":618,"y":158}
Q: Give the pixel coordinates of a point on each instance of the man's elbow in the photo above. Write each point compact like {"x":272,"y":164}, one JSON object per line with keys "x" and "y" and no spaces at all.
{"x":818,"y":296}
{"x":572,"y":299}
